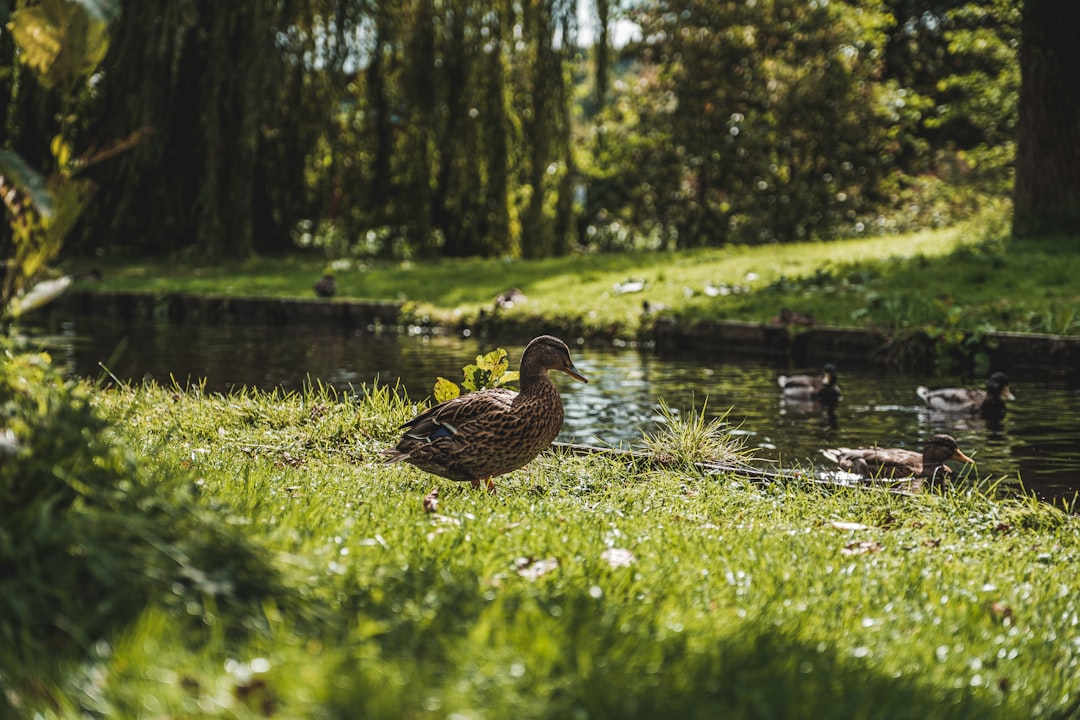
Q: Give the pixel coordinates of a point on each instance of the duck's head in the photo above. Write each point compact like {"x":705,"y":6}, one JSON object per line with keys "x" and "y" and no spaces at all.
{"x":998,"y":384}
{"x":549,"y":353}
{"x":829,"y":374}
{"x":939,"y":449}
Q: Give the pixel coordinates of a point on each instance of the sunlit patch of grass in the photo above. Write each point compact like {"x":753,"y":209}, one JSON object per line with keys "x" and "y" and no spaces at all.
{"x":890,"y":283}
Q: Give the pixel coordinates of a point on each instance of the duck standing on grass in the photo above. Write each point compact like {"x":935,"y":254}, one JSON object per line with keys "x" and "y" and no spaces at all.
{"x":989,"y":403}
{"x":822,"y":388}
{"x":486,"y":433}
{"x":898,"y":463}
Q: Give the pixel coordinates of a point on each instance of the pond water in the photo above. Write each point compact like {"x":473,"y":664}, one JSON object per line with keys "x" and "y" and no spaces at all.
{"x":1035,"y":444}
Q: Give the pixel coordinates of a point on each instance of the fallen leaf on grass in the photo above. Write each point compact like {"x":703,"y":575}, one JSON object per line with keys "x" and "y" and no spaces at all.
{"x":861,"y":548}
{"x":289,"y":459}
{"x":531,"y":568}
{"x":431,"y":501}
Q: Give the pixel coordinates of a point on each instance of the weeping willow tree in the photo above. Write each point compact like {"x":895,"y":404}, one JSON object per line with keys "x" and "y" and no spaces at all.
{"x":415,"y":127}
{"x":455,"y":136}
{"x":220,"y":91}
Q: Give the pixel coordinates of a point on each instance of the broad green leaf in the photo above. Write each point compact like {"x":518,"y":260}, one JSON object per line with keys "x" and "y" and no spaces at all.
{"x":445,"y":390}
{"x":476,"y":378}
{"x":42,"y":293}
{"x":508,"y":378}
{"x":26,"y":180}
{"x":495,"y":361}
{"x":59,"y":40}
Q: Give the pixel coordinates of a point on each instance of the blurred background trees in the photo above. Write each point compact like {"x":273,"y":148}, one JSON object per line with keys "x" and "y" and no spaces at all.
{"x":425,"y":128}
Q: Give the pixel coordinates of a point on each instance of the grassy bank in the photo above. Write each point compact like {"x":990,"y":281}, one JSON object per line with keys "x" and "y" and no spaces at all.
{"x":248,"y":556}
{"x":950,"y":283}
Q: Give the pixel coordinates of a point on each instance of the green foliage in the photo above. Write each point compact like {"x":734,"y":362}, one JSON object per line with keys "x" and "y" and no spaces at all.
{"x":785,"y":120}
{"x":444,"y":129}
{"x":784,"y":144}
{"x":22,"y":187}
{"x":489,"y":371}
{"x":61,"y":40}
{"x":89,"y":533}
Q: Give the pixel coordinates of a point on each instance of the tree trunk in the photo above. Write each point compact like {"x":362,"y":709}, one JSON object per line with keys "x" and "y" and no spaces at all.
{"x":1047,"y":190}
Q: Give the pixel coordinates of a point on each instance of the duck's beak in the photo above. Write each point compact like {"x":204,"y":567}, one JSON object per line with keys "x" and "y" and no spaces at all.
{"x":1007,"y":394}
{"x":573,"y":372}
{"x":961,"y":457}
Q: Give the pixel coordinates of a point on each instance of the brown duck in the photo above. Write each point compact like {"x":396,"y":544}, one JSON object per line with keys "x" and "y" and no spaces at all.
{"x":821,"y":387}
{"x":483,"y":434}
{"x":989,"y":403}
{"x":899,"y":463}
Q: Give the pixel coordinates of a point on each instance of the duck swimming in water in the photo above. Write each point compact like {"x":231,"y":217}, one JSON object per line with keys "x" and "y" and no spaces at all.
{"x":876,"y":462}
{"x":821,"y":387}
{"x":989,"y":403}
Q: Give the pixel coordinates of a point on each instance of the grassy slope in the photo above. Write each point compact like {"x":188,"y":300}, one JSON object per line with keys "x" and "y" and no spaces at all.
{"x":951,"y":278}
{"x":738,"y":601}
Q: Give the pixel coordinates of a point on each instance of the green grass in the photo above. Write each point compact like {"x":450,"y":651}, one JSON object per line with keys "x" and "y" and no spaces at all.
{"x":584,"y":588}
{"x":965,"y":279}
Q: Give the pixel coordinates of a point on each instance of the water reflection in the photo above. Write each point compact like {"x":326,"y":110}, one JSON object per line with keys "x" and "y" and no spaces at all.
{"x":1035,"y":442}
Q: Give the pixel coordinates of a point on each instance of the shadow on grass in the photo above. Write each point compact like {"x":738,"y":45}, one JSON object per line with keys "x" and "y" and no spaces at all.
{"x":536,"y":652}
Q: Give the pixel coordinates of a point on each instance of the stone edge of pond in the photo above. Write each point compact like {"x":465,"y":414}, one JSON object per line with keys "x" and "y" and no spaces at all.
{"x":797,"y":346}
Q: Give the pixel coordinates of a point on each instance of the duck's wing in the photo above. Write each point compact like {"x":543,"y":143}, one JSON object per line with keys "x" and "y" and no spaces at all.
{"x":799,"y":385}
{"x":876,"y":461}
{"x":952,"y":399}
{"x":458,"y":417}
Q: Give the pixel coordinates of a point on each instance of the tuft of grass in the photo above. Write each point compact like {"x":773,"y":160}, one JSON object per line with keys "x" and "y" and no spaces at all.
{"x":696,"y":438}
{"x":249,"y":555}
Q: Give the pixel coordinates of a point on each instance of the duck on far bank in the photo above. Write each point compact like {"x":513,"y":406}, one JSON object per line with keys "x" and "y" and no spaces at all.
{"x":822,"y":388}
{"x":510,"y":298}
{"x":480,"y":435}
{"x":787,"y":316}
{"x":876,"y":462}
{"x":326,"y":286}
{"x":989,"y":403}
